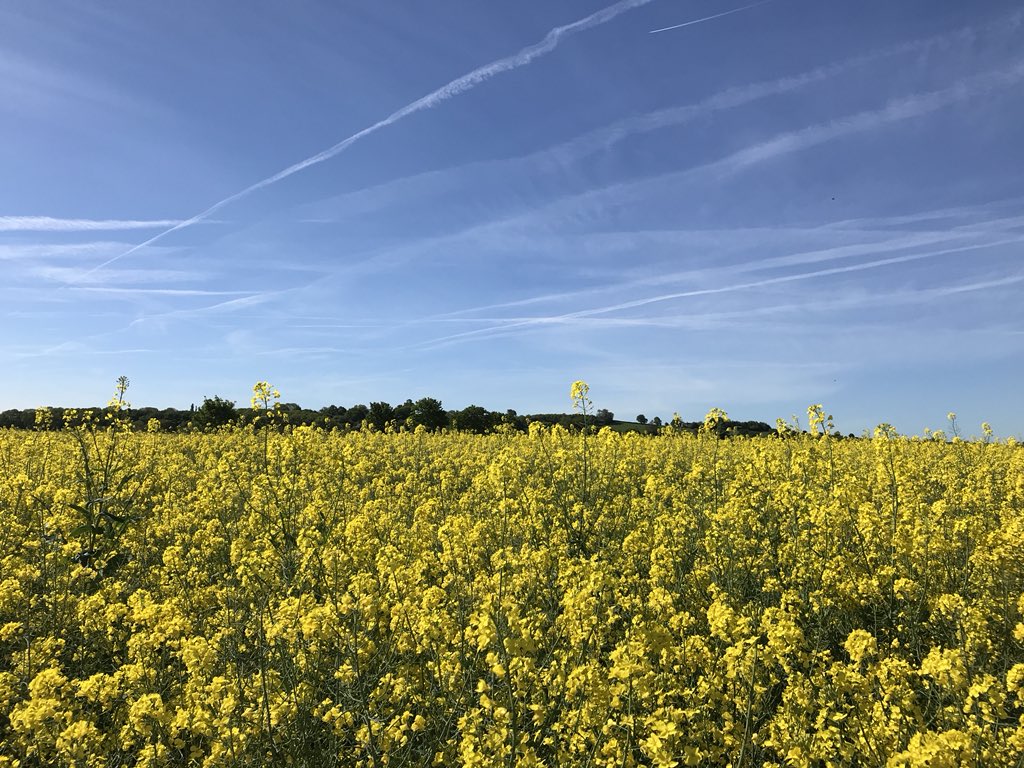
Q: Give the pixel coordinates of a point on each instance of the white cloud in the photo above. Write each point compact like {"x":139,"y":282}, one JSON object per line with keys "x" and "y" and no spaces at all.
{"x":51,"y":224}
{"x":448,"y":91}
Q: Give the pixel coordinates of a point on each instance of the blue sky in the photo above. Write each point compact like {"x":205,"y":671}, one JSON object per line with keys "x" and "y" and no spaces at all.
{"x":793,"y":203}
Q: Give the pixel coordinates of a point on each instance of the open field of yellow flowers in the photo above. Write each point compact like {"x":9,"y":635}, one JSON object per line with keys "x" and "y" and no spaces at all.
{"x":301,"y":597}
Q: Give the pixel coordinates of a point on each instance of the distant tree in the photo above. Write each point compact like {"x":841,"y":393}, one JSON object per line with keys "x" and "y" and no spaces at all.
{"x":656,"y":421}
{"x":141,"y":416}
{"x":473,"y":418}
{"x":18,"y":418}
{"x":403,"y":413}
{"x":331,"y":416}
{"x":354,"y":416}
{"x":304,"y":416}
{"x":604,"y":417}
{"x":380,"y":414}
{"x":173,"y":419}
{"x":641,"y":419}
{"x":214,"y":412}
{"x":513,"y":419}
{"x":428,"y":412}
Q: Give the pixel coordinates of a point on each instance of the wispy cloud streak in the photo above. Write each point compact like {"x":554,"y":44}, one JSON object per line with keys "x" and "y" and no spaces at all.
{"x":709,"y":18}
{"x":950,"y":214}
{"x":70,"y":348}
{"x":20,"y":251}
{"x":994,"y":231}
{"x":605,"y":137}
{"x":896,"y":111}
{"x":230,"y":305}
{"x":159,"y":291}
{"x":802,"y":258}
{"x":51,"y":224}
{"x":568,"y":317}
{"x":71,"y":275}
{"x":779,"y":146}
{"x":719,"y":318}
{"x":444,"y":93}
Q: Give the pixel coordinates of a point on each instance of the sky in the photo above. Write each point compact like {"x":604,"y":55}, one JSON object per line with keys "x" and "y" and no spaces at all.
{"x":686,"y":203}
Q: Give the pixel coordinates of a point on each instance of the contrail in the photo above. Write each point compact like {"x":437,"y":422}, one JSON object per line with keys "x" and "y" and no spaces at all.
{"x":732,"y":288}
{"x":709,"y":18}
{"x":454,"y":88}
{"x":51,"y":224}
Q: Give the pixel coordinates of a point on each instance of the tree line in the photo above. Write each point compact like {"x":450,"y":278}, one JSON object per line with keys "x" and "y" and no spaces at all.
{"x":427,"y":412}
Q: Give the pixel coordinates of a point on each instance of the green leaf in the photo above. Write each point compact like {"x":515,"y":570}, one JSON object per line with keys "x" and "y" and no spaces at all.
{"x":125,"y":479}
{"x":114,"y":563}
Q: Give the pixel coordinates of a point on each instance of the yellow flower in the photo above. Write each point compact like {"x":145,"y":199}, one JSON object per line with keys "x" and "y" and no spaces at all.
{"x":861,"y":645}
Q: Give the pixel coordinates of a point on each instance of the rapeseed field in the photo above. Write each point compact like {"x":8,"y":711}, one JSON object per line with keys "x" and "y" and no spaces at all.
{"x":269,"y":595}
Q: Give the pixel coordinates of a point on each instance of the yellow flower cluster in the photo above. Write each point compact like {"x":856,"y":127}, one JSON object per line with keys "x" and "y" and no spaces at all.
{"x":291,"y":596}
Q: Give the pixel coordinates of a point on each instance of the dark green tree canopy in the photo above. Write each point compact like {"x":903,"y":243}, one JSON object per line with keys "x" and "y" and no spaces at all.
{"x":215,"y":412}
{"x":428,"y":412}
{"x":380,"y":414}
{"x":475,"y":418}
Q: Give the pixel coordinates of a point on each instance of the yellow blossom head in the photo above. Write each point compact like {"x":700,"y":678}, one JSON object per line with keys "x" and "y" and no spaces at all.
{"x":861,"y":645}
